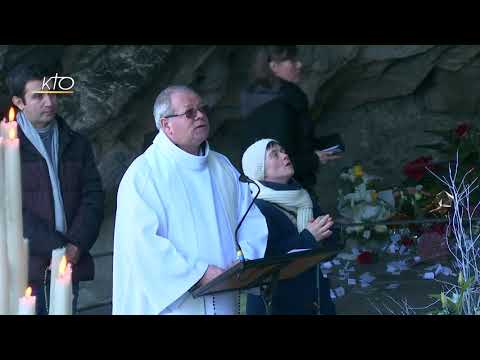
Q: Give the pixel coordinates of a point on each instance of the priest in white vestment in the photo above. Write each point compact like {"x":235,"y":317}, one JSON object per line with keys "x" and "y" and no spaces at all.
{"x":177,"y":209}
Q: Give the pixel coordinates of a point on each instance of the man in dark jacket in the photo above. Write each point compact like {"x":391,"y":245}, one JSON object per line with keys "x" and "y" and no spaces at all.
{"x":61,"y":187}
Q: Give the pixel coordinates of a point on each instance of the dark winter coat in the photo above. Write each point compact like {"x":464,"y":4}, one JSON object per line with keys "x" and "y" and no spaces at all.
{"x":296,"y":296}
{"x":83,"y":199}
{"x":282,"y":115}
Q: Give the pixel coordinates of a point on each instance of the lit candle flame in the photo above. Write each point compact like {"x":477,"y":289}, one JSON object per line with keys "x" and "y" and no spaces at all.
{"x":63,"y":266}
{"x":11,"y":114}
{"x":28,"y":292}
{"x":11,"y":134}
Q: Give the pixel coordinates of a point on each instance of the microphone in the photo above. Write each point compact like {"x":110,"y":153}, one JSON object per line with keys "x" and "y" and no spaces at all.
{"x":246,"y":180}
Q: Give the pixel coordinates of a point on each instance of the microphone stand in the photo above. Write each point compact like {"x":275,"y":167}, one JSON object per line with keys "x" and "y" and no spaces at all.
{"x":244,"y":179}
{"x":268,"y":291}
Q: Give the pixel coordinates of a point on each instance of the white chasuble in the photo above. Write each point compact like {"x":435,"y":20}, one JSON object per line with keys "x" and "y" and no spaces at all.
{"x":176,"y":214}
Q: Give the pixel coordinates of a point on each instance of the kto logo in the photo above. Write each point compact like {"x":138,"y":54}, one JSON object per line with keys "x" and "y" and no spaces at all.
{"x":60,"y":85}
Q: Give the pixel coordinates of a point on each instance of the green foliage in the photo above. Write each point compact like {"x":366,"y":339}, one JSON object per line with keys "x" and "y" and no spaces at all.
{"x":453,"y":305}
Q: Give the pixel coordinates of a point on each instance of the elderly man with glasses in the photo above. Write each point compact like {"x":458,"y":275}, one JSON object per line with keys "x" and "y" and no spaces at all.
{"x":178,"y":208}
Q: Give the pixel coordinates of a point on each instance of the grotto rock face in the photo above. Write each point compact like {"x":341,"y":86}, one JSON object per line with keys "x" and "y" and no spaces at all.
{"x":378,"y":93}
{"x":379,"y":97}
{"x":107,"y":81}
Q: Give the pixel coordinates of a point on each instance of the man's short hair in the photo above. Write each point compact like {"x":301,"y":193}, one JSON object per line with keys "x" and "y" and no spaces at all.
{"x":163,"y":103}
{"x":18,"y":77}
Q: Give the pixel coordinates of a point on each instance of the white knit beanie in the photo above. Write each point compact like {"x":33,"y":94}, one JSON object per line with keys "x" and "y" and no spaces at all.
{"x":253,"y":160}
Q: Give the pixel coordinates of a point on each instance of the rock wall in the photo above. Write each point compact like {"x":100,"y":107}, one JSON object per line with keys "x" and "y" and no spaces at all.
{"x":379,"y":97}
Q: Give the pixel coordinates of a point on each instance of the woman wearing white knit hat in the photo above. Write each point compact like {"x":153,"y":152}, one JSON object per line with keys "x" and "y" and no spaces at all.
{"x":293,"y":223}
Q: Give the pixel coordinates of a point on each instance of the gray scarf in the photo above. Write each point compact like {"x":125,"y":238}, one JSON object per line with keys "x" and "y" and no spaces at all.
{"x":32,"y":134}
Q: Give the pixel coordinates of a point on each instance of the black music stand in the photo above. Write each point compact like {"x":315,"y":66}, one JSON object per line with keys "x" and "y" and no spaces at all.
{"x":264,"y":273}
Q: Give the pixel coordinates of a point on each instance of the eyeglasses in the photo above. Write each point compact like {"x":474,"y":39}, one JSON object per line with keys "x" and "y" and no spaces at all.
{"x":190,"y":113}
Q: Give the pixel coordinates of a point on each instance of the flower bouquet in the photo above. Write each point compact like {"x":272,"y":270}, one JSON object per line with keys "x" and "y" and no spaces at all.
{"x":361,"y":202}
{"x":367,"y":237}
{"x":359,"y":199}
{"x":411,"y":202}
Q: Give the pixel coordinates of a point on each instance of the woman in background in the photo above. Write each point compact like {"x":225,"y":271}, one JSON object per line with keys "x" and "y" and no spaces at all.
{"x":274,"y":106}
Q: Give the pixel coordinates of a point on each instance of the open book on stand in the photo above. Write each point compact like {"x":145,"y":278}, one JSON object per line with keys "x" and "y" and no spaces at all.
{"x":256,"y":273}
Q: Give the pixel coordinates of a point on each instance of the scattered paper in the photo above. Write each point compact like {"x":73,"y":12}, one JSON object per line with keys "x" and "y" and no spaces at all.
{"x":352,"y":282}
{"x":429,"y":276}
{"x":392,"y":249}
{"x":433,"y":267}
{"x":447,"y":271}
{"x":327,"y":265}
{"x":340,"y":291}
{"x":392,"y":286}
{"x":367,"y":278}
{"x":397,"y":266}
{"x":439,"y":269}
{"x":391,"y":269}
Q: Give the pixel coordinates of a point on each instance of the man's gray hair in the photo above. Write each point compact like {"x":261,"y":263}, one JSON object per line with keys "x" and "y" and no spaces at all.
{"x":163,"y":103}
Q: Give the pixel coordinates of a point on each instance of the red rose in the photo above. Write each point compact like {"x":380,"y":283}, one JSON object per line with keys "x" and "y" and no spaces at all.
{"x":462,"y":130}
{"x":365,"y":258}
{"x":407,"y":242}
{"x":417,"y":169}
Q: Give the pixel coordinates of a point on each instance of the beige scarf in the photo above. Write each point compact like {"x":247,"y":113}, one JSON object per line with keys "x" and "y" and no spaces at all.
{"x":297,"y":201}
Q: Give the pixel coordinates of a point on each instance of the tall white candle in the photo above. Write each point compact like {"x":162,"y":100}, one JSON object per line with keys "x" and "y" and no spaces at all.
{"x":3,"y":128}
{"x":4,"y":283}
{"x":63,"y":290}
{"x":26,"y":304}
{"x":57,"y":256}
{"x":4,"y":278}
{"x":17,"y":257}
{"x":9,"y":129}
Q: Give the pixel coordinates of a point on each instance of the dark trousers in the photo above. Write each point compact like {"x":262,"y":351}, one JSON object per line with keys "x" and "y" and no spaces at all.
{"x":40,"y":291}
